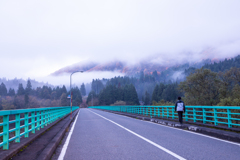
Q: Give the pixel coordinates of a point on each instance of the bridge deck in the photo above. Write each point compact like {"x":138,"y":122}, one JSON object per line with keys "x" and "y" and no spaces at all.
{"x":102,"y":135}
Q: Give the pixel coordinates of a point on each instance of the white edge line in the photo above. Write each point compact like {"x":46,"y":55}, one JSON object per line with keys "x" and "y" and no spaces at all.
{"x":195,"y":133}
{"x":64,"y":149}
{"x":185,"y":131}
{"x":149,"y":141}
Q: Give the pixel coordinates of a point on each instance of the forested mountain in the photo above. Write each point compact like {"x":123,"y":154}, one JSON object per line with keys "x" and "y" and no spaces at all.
{"x":13,"y":83}
{"x":221,"y":66}
{"x":163,"y":88}
{"x":45,"y":96}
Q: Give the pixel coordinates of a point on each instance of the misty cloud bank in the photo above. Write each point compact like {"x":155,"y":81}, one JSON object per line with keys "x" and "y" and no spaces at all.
{"x":41,"y":37}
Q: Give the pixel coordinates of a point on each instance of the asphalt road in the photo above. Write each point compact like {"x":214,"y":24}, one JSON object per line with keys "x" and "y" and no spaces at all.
{"x":101,"y":135}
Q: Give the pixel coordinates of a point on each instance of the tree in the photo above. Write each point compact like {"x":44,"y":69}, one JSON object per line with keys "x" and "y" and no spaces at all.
{"x":76,"y":96}
{"x":141,"y":79}
{"x":91,"y":95}
{"x":21,"y":90}
{"x":63,"y":100}
{"x":97,"y":86}
{"x":28,"y":89}
{"x":147,"y":98}
{"x":155,"y":94}
{"x":201,"y":88}
{"x":3,"y":90}
{"x":26,"y":99}
{"x":83,"y":90}
{"x":11,"y":92}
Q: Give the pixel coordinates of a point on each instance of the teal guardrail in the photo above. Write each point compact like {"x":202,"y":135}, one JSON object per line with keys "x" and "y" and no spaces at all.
{"x":224,"y":115}
{"x":20,"y":122}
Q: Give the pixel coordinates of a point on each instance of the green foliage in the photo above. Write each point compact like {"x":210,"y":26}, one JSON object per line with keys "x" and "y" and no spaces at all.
{"x":162,"y":103}
{"x":97,"y":86}
{"x":26,"y":99}
{"x":201,"y":88}
{"x":91,"y":95}
{"x":83,"y":90}
{"x":63,"y":100}
{"x":147,"y":98}
{"x":11,"y":92}
{"x":168,"y":92}
{"x":111,"y":94}
{"x":76,"y":96}
{"x":28,"y":89}
{"x":21,"y":90}
{"x":3,"y":90}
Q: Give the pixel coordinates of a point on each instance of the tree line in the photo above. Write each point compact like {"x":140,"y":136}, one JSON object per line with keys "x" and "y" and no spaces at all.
{"x":212,"y":84}
{"x":44,"y":96}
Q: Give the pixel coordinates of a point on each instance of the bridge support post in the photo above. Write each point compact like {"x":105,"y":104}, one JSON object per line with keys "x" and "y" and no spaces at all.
{"x":17,"y":126}
{"x":6,"y":131}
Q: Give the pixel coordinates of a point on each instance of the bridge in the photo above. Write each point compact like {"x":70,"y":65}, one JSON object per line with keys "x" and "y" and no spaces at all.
{"x":144,"y":132}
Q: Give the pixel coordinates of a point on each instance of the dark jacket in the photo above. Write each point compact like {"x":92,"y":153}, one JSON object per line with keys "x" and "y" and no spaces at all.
{"x":180,"y":104}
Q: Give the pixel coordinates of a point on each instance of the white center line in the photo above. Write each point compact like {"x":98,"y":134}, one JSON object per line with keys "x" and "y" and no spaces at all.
{"x":147,"y":140}
{"x":64,"y":149}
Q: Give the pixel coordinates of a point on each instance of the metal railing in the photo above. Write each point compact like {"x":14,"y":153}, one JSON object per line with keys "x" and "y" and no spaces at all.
{"x":223,"y":115}
{"x":26,"y":121}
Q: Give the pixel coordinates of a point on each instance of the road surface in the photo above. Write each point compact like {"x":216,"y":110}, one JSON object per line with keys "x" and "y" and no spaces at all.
{"x":98,"y":135}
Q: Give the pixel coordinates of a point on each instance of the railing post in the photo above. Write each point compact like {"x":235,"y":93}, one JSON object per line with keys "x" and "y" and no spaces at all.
{"x":162,"y":111}
{"x":17,"y":126}
{"x":33,"y":122}
{"x":173,"y":113}
{"x":194,"y":115}
{"x":46,"y":118}
{"x":204,"y":115}
{"x":229,"y":118}
{"x":26,"y":124}
{"x":186,"y":114}
{"x":42,"y":117}
{"x":215,"y":117}
{"x":38,"y":119}
{"x":6,"y":131}
{"x":155,"y":110}
{"x":167,"y":112}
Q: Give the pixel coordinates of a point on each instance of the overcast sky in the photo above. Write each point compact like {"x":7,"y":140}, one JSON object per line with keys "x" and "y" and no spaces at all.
{"x":40,"y":37}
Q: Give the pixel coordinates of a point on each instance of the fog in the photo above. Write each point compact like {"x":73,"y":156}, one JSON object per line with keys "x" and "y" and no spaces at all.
{"x":78,"y":78}
{"x":40,"y":37}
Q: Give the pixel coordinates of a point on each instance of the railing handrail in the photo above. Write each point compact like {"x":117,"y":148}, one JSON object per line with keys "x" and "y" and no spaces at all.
{"x":212,"y":107}
{"x":227,"y":115}
{"x":19,"y":111}
{"x":38,"y":117}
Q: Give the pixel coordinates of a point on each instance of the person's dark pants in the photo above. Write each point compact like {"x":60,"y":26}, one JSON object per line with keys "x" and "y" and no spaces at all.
{"x":180,"y":113}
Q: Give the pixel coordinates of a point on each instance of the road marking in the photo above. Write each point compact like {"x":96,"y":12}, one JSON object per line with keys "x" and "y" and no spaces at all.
{"x":194,"y":133}
{"x":147,"y":140}
{"x":64,"y":149}
{"x":183,"y":130}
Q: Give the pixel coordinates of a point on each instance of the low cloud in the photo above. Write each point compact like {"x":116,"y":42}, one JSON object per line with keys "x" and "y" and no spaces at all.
{"x":77,"y":78}
{"x":45,"y":36}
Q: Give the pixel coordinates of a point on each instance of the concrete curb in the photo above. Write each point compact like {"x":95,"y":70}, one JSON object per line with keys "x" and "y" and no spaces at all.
{"x":14,"y":148}
{"x":218,"y":133}
{"x":49,"y":150}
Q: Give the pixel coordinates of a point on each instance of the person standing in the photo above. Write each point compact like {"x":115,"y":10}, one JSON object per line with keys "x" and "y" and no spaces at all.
{"x":180,"y":108}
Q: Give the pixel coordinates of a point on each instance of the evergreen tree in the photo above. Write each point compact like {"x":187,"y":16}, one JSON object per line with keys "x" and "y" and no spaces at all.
{"x":26,"y":99}
{"x":64,"y":90}
{"x":28,"y":89}
{"x":147,"y":98}
{"x":63,"y":100}
{"x":141,"y":79}
{"x":21,"y":90}
{"x":92,"y":95}
{"x":3,"y":89}
{"x":76,"y":96}
{"x":83,"y":90}
{"x":11,"y":92}
{"x":155,"y":94}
